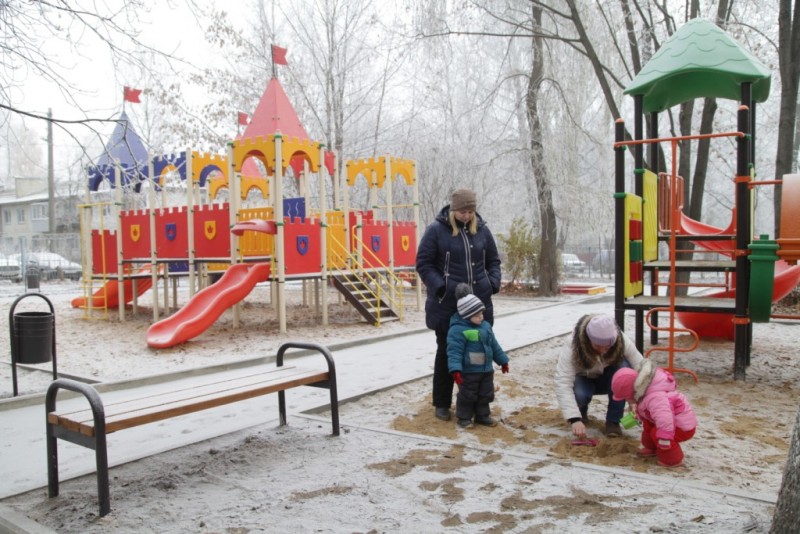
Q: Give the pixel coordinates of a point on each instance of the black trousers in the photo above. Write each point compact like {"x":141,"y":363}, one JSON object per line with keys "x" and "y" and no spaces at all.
{"x":474,"y":396}
{"x":442,"y":381}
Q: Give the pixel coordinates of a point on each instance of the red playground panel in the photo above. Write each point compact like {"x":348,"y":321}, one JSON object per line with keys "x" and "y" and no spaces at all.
{"x":104,"y":246}
{"x":172,"y":239}
{"x":136,"y":234}
{"x":211,"y":236}
{"x":376,"y":239}
{"x":302,"y":246}
{"x":405,"y":243}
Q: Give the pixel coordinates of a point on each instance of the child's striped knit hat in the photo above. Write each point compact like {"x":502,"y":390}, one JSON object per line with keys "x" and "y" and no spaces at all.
{"x":468,"y":304}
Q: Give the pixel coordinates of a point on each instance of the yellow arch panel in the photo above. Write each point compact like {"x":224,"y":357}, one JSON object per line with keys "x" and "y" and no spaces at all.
{"x":202,"y":160}
{"x":292,"y":147}
{"x":405,"y":168}
{"x":258,"y":147}
{"x":366,"y":168}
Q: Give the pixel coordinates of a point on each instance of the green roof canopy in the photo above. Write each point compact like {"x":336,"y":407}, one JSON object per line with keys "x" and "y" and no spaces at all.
{"x":699,"y":60}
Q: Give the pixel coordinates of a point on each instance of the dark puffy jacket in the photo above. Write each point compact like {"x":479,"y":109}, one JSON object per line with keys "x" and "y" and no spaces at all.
{"x":445,"y":260}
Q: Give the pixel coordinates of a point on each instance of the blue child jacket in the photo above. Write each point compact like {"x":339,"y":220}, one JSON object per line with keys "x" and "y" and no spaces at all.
{"x":465,"y":339}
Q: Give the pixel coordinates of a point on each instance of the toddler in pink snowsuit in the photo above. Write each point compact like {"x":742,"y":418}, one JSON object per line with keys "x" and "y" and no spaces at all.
{"x":666,"y":415}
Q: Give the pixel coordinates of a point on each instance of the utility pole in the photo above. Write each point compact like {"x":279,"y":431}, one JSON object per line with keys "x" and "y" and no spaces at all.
{"x":51,"y":187}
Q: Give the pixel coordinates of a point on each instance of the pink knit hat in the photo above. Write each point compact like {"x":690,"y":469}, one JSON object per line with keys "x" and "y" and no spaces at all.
{"x":602,"y":330}
{"x":622,"y":384}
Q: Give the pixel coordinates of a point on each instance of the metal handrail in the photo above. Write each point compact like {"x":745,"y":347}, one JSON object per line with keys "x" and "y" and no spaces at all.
{"x":375,"y":281}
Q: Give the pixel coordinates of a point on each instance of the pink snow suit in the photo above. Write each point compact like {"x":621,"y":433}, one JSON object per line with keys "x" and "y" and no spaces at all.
{"x":666,"y":415}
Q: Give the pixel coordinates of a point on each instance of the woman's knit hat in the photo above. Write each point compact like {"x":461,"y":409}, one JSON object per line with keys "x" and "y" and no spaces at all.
{"x":468,"y":304}
{"x":463,"y":199}
{"x":602,"y":330}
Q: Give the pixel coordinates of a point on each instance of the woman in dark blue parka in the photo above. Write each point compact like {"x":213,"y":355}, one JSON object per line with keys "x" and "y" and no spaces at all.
{"x":457,"y":247}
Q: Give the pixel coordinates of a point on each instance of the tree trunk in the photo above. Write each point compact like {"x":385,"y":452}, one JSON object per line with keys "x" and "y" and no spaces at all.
{"x":786,"y":519}
{"x":548,"y":267}
{"x":789,"y":61}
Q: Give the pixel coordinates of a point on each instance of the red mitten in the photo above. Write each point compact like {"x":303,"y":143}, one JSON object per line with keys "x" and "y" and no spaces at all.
{"x":457,"y":378}
{"x":505,"y":368}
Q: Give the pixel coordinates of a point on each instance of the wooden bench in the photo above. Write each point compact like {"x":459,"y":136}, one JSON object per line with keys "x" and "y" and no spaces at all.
{"x":89,"y":427}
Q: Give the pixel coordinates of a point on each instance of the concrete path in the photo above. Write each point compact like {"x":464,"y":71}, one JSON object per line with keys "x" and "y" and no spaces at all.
{"x":363,"y":367}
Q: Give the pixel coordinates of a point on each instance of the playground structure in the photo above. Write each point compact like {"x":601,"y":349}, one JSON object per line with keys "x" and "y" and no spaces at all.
{"x":699,"y":60}
{"x":255,"y":235}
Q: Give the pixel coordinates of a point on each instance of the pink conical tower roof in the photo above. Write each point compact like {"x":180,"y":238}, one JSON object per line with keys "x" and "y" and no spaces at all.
{"x":274,"y":113}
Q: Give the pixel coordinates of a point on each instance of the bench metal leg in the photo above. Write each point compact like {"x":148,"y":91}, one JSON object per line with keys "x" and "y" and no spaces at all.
{"x":96,"y":442}
{"x":330,"y":384}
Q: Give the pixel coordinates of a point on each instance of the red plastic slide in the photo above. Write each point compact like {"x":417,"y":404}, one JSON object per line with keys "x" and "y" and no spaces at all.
{"x":206,"y":306}
{"x":108,"y":295}
{"x":721,"y":324}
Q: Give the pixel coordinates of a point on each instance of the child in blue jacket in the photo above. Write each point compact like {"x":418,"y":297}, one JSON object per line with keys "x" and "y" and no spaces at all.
{"x":471,"y":350}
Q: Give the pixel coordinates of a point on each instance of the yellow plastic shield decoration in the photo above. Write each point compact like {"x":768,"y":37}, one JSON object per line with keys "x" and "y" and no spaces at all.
{"x":136,"y":233}
{"x":210,"y":230}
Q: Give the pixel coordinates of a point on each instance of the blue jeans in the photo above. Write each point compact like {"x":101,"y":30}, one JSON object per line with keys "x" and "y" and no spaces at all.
{"x":586,"y":388}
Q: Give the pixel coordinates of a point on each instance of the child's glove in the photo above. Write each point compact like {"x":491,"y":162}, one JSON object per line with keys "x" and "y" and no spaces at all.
{"x":664,"y":444}
{"x":457,"y":378}
{"x":504,"y":368}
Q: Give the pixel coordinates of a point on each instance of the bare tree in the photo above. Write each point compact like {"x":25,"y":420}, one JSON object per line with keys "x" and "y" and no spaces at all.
{"x":548,"y":269}
{"x":786,"y":519}
{"x":789,"y":61}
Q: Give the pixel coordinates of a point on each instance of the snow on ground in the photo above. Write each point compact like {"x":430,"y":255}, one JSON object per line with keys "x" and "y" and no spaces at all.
{"x":396,"y":468}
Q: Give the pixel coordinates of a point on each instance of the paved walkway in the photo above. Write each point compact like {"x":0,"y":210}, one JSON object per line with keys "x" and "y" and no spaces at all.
{"x":362,"y":368}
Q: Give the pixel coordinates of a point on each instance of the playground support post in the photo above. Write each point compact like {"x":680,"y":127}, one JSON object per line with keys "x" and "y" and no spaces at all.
{"x":638,"y":185}
{"x":281,"y":235}
{"x":417,"y":233}
{"x":118,"y":217}
{"x":742,"y":326}
{"x":323,"y":230}
{"x":189,"y":173}
{"x":151,"y":198}
{"x":233,"y":213}
{"x":389,"y":210}
{"x":619,"y":217}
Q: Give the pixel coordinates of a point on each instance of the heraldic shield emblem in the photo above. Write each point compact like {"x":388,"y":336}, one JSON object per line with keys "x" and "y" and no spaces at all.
{"x":405,"y":243}
{"x":375,"y":243}
{"x":210,"y":230}
{"x":302,"y":244}
{"x":171,"y":231}
{"x":136,"y":233}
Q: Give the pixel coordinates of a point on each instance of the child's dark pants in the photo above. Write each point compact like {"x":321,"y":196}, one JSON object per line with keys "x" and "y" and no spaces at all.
{"x":474,"y":395}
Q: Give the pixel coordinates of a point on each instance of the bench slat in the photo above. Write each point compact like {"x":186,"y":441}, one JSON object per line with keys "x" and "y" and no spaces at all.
{"x":142,"y":410}
{"x":278,"y":373}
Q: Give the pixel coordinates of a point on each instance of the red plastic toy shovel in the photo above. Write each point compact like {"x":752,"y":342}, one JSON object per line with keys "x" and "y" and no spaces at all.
{"x":589,"y":442}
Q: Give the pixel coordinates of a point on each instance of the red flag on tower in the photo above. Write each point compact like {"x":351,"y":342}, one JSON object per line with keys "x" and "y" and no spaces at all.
{"x":131,"y":95}
{"x":243,"y":119}
{"x":278,"y":55}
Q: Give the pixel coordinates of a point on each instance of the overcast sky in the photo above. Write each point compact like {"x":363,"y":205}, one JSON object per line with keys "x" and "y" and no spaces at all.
{"x":98,"y":80}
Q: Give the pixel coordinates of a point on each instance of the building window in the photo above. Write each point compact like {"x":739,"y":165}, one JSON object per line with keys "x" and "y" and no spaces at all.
{"x":20,"y":215}
{"x":39,"y":212}
{"x":7,"y":216}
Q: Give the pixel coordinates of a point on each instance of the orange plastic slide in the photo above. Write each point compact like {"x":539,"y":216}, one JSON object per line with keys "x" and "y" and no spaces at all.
{"x":108,"y":295}
{"x":206,"y":306}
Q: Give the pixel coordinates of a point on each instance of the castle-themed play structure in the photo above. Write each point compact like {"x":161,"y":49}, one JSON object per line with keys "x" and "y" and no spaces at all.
{"x":254,"y":235}
{"x":699,"y":60}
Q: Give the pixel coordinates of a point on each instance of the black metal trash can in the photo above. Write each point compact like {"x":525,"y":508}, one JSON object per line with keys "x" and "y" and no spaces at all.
{"x":33,"y":333}
{"x":32,"y":277}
